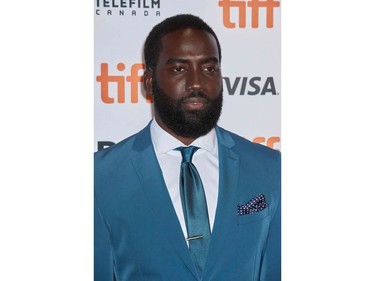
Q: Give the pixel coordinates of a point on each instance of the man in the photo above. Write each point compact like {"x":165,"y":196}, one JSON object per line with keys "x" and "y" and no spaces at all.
{"x":150,"y":198}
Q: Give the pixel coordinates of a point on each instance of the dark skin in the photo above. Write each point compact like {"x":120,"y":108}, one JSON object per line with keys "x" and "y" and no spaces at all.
{"x":188,"y":62}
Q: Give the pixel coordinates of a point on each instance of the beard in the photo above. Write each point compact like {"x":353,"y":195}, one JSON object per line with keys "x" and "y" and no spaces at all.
{"x":183,"y":122}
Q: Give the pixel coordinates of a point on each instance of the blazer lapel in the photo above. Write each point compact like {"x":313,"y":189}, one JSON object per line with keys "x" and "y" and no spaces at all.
{"x":155,"y":190}
{"x":226,"y":206}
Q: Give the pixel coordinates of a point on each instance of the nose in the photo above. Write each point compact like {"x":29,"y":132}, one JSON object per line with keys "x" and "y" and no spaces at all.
{"x":195,"y":81}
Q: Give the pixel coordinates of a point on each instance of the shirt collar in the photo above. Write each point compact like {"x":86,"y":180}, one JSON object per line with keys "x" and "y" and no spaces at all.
{"x":164,"y":142}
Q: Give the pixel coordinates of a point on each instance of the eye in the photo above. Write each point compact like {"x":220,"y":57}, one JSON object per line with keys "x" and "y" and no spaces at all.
{"x":211,"y":68}
{"x":178,"y":69}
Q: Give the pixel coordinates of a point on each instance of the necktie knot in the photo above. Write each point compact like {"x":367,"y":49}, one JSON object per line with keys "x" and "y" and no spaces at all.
{"x":187,"y":152}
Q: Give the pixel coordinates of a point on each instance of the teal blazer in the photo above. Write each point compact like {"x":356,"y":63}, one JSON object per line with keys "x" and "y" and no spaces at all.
{"x":138,"y":235}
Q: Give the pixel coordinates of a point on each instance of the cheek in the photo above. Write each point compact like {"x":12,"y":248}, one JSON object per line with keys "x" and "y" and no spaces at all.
{"x":172,"y":85}
{"x":216,"y":85}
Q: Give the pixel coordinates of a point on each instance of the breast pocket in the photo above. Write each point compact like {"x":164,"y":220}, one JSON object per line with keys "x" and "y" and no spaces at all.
{"x":253,"y":217}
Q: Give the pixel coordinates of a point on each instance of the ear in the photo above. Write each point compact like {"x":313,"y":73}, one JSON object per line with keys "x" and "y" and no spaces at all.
{"x":147,"y":81}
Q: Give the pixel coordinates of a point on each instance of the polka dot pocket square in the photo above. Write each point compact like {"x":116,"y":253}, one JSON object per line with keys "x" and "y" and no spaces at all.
{"x":256,"y":204}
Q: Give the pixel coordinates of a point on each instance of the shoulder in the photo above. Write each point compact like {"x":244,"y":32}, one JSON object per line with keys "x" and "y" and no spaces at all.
{"x":125,"y":149}
{"x":245,"y":147}
{"x":116,"y":149}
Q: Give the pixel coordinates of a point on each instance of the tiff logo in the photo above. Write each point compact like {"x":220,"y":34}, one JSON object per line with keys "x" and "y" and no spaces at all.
{"x":254,"y":5}
{"x":134,"y":79}
{"x":270,"y":142}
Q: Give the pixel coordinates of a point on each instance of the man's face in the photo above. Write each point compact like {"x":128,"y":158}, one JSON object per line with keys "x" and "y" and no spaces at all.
{"x":187,"y":83}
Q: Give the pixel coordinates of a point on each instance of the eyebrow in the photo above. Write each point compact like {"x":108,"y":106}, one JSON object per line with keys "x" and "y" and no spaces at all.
{"x":179,"y":60}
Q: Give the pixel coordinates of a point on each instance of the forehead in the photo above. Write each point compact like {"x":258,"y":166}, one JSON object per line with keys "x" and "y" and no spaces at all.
{"x":188,"y":43}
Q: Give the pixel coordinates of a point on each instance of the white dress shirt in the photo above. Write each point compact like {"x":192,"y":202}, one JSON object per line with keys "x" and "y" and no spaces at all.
{"x":205,"y":160}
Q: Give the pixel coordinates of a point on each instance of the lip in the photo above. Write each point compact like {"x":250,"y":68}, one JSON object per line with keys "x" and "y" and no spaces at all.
{"x":195,"y":103}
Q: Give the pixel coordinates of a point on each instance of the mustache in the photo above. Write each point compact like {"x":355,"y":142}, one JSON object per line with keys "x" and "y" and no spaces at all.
{"x":195,"y":95}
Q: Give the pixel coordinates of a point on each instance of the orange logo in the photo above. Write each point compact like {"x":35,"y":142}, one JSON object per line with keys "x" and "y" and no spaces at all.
{"x":270,"y":142}
{"x":134,"y":79}
{"x":254,"y":5}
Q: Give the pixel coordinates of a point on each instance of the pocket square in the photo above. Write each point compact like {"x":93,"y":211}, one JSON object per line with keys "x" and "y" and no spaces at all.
{"x":256,"y":204}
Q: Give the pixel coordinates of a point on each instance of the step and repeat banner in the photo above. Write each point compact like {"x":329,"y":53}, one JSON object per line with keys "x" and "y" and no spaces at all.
{"x":249,"y":34}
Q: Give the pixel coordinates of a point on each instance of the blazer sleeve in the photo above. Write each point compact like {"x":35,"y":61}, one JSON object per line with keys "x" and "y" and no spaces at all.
{"x":103,"y":258}
{"x":271,"y":266}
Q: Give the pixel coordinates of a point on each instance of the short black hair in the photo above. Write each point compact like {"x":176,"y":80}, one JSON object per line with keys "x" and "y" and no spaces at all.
{"x":153,"y":46}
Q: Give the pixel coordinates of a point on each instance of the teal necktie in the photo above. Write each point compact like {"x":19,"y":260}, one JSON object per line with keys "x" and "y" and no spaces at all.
{"x":195,"y":208}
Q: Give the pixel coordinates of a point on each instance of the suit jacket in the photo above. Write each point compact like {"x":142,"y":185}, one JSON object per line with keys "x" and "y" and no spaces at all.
{"x":137,"y":232}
